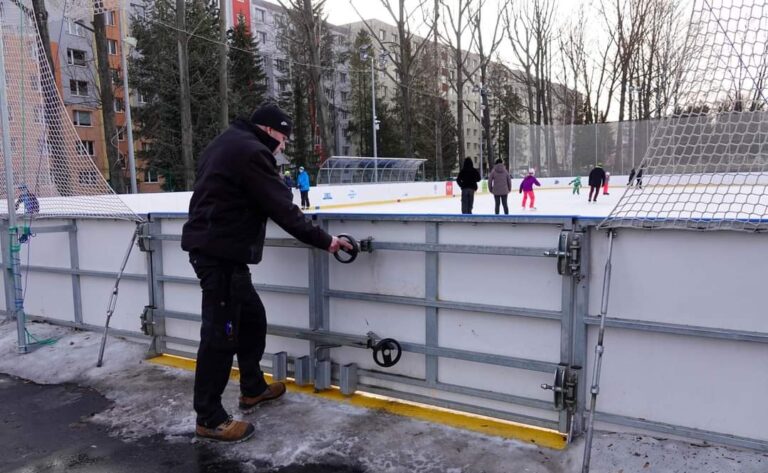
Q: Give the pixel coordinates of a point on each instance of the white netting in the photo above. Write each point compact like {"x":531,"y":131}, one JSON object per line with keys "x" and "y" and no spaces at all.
{"x":706,"y":167}
{"x":53,"y":174}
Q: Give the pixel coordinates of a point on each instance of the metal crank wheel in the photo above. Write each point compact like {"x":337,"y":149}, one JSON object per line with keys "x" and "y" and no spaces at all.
{"x":387,"y":352}
{"x":347,"y":256}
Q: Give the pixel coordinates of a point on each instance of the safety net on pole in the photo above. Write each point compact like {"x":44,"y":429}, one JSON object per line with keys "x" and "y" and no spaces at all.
{"x":54,"y":174}
{"x":707,"y":164}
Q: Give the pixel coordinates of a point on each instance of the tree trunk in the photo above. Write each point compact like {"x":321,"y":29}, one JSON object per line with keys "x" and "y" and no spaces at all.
{"x":438,"y":111}
{"x":223,"y":64}
{"x":53,"y":119}
{"x":316,"y":76}
{"x":185,"y":97}
{"x":116,"y":178}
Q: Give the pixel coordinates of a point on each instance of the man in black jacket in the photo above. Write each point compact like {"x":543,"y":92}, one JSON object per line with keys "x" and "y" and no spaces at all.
{"x":237,"y":188}
{"x":596,"y":181}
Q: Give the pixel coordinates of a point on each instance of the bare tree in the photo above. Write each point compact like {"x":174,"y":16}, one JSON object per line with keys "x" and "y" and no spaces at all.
{"x":486,"y":55}
{"x":404,"y":55}
{"x":457,"y":25}
{"x":438,"y":92}
{"x":116,"y":178}
{"x":530,"y":30}
{"x":308,"y":21}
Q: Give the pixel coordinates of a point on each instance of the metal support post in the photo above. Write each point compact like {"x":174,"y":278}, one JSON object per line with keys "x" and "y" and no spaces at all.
{"x":13,"y":264}
{"x":373,"y":106}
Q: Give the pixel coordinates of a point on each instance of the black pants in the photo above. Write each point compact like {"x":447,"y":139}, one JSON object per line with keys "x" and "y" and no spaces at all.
{"x":501,"y":199}
{"x":467,"y":200}
{"x":595,"y":190}
{"x":304,"y":199}
{"x":234,"y":323}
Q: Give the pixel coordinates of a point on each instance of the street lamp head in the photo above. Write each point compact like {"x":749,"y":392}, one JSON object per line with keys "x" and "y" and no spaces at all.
{"x":364,"y":53}
{"x":383,"y":56}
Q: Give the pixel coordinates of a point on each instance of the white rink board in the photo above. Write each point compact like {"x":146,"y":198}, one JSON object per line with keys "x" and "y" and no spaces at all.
{"x":712,"y":279}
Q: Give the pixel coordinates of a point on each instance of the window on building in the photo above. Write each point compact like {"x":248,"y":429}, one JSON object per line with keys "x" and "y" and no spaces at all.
{"x":150,"y":175}
{"x":74,"y":28}
{"x":382,"y":35}
{"x":281,"y":65}
{"x":344,"y":96}
{"x":39,"y":114}
{"x":262,"y":36}
{"x":111,"y":18}
{"x":282,"y":86}
{"x":343,"y":77}
{"x":75,"y":57}
{"x":86,"y":148}
{"x":78,"y":87}
{"x":88,"y":178}
{"x":328,"y":92}
{"x":119,"y":105}
{"x":146,"y":147}
{"x":240,"y":19}
{"x":117,"y":78}
{"x":260,"y":15}
{"x":384,"y":91}
{"x":344,"y":115}
{"x":112,"y":47}
{"x":394,"y":37}
{"x":141,"y":97}
{"x":81,"y":118}
{"x":120,"y":134}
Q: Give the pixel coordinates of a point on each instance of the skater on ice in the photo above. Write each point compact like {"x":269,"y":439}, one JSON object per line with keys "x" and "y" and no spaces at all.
{"x":576,"y":183}
{"x":526,"y":188}
{"x":596,"y":181}
{"x":500,"y":185}
{"x":467,"y":180}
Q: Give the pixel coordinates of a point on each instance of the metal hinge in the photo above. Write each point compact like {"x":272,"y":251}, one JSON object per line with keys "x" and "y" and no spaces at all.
{"x":147,"y":320}
{"x":565,"y":387}
{"x":145,"y":238}
{"x":568,"y":253}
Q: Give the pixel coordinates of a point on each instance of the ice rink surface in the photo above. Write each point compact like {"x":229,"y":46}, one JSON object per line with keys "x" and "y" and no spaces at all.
{"x":549,"y":201}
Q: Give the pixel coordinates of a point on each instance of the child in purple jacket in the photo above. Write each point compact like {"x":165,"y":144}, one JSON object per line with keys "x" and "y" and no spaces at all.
{"x":526,"y":188}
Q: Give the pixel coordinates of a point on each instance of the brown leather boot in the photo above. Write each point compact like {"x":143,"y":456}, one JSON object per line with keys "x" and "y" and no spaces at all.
{"x":231,"y":431}
{"x":273,"y":391}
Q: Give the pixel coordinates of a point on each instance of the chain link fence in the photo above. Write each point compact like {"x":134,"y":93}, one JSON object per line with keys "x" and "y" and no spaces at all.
{"x":569,"y":150}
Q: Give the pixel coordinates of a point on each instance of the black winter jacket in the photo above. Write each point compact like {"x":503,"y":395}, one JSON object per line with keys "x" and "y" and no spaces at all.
{"x":237,"y":187}
{"x":597,"y":177}
{"x":468,"y":178}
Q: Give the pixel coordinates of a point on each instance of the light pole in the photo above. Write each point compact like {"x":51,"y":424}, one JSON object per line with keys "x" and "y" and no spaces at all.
{"x":374,"y":121}
{"x":633,"y":91}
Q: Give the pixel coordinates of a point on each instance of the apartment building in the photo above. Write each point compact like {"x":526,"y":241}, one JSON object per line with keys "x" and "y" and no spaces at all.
{"x":77,"y":78}
{"x":266,"y":21}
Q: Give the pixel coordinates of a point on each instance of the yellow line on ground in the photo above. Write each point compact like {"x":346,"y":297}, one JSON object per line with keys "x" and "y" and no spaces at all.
{"x":483,"y":424}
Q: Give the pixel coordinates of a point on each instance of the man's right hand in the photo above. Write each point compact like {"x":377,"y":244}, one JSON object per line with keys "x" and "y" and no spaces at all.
{"x":337,"y":244}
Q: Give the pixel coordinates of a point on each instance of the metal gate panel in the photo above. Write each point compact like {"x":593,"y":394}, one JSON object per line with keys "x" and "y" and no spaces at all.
{"x":648,"y":376}
{"x":500,"y":280}
{"x":684,"y":277}
{"x":496,"y":334}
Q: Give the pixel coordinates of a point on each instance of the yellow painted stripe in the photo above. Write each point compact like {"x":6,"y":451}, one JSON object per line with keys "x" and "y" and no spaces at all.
{"x":483,"y":424}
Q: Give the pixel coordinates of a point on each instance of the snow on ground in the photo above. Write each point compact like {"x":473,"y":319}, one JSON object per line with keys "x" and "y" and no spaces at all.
{"x":302,"y":429}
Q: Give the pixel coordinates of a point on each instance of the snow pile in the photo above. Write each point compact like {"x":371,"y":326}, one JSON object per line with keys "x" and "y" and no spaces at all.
{"x":300,"y":429}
